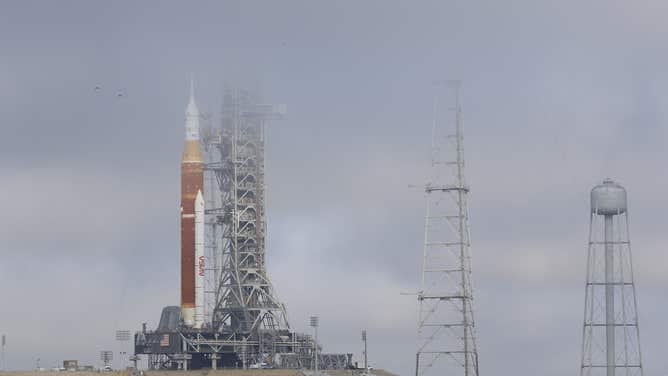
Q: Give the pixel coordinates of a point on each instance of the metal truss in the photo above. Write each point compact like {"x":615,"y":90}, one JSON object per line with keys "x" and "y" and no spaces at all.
{"x":268,"y":342}
{"x":283,"y":349}
{"x":335,"y":361}
{"x":610,"y":334}
{"x":446,"y":325}
{"x":244,"y":298}
{"x":159,"y":361}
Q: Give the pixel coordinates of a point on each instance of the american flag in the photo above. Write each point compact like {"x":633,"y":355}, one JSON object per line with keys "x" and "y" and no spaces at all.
{"x":164,"y":342}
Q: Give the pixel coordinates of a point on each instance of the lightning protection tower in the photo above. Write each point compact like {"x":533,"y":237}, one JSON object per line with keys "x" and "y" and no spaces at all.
{"x":610,"y":335}
{"x":446,"y":325}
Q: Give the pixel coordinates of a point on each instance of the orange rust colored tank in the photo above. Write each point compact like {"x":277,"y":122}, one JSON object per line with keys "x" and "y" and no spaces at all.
{"x":192,"y":179}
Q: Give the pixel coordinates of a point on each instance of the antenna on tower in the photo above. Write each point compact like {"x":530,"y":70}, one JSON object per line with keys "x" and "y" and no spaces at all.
{"x":610,"y":335}
{"x":192,"y":85}
{"x":446,"y":325}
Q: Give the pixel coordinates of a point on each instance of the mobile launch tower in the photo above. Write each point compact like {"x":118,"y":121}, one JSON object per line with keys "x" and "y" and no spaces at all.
{"x":245,"y":300}
{"x":446,"y":325}
{"x":610,"y":335}
{"x":229,"y":315}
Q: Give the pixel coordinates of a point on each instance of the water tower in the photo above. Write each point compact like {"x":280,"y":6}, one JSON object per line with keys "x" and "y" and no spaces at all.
{"x":610,"y":338}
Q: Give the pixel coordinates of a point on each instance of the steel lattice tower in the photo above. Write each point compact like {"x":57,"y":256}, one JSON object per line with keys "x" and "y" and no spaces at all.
{"x":446,"y":325}
{"x":610,"y":335}
{"x":245,"y":302}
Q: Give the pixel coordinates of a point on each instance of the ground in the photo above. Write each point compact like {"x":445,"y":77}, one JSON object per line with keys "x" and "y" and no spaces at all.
{"x":232,"y":372}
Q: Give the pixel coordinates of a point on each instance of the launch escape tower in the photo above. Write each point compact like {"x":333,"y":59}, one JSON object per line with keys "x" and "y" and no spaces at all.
{"x":446,"y":325}
{"x":610,"y":335}
{"x":243,"y":323}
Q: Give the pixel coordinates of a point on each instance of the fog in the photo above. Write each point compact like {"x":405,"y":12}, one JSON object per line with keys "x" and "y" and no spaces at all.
{"x":556,"y":97}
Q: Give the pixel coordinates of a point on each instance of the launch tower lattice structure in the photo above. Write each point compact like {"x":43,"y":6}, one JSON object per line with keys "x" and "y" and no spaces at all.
{"x":244,"y":300}
{"x":610,"y":335}
{"x":446,"y":325}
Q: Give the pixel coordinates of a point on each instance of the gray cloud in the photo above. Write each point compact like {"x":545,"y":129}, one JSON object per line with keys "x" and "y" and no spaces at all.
{"x":556,"y":97}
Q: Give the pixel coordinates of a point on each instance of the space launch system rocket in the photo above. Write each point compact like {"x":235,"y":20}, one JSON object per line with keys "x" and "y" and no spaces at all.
{"x":192,"y":221}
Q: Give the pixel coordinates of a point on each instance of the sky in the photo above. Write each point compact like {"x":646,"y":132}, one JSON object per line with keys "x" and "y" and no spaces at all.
{"x":556,"y":97}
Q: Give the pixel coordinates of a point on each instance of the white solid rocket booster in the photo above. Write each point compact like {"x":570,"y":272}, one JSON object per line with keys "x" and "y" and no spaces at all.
{"x":199,"y":260}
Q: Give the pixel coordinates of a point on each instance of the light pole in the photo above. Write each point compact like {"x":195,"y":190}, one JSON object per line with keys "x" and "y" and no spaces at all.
{"x":123,"y":336}
{"x":106,"y":356}
{"x":4,"y":359}
{"x":314,"y":325}
{"x":366,"y":365}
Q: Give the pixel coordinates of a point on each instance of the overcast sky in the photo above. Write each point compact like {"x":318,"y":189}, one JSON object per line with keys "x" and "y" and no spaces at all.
{"x":556,"y":97}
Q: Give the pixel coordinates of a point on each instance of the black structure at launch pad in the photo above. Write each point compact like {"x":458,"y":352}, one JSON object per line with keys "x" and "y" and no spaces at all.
{"x":173,"y":346}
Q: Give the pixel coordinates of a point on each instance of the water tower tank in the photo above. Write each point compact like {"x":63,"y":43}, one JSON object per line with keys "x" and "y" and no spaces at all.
{"x":608,"y":198}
